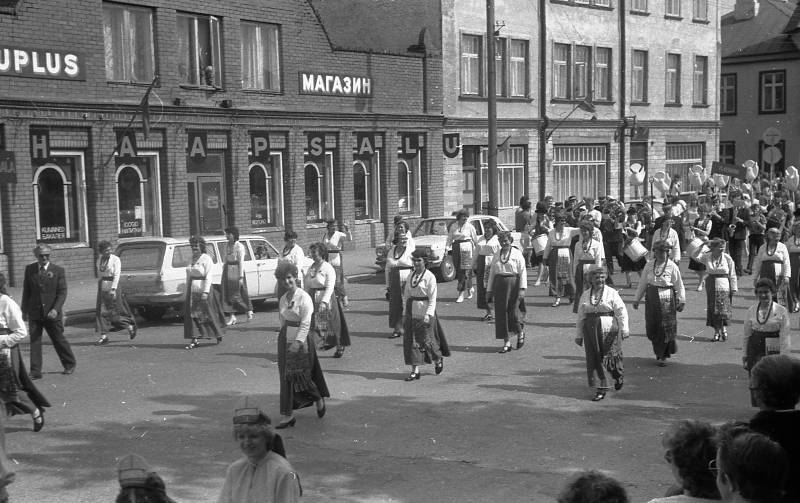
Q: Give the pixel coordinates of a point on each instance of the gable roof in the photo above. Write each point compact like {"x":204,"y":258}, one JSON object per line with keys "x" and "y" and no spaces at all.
{"x":380,"y":26}
{"x":764,"y":34}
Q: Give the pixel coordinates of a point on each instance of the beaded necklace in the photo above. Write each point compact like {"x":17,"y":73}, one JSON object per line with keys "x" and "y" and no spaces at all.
{"x":504,"y":260}
{"x":416,"y":278}
{"x":758,"y":314}
{"x":586,"y":245}
{"x":716,"y":263}
{"x":104,"y":263}
{"x":397,"y":255}
{"x":663,"y":269}
{"x":286,"y":250}
{"x":595,"y":300}
{"x":774,"y":249}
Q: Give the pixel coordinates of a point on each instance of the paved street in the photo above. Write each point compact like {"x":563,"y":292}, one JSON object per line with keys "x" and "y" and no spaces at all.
{"x":490,"y":428}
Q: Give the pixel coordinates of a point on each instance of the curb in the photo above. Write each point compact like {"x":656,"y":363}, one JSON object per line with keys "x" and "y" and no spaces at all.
{"x":78,"y":317}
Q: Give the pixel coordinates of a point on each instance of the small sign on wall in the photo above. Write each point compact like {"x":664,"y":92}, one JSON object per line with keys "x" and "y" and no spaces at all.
{"x":326,"y":84}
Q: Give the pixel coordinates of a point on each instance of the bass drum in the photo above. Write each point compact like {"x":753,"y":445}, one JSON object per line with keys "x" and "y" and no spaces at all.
{"x":694,"y":245}
{"x":635,"y":250}
{"x":539,"y":243}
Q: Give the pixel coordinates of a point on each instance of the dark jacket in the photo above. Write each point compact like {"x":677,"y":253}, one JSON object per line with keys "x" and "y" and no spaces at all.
{"x":40,"y":293}
{"x":781,"y":426}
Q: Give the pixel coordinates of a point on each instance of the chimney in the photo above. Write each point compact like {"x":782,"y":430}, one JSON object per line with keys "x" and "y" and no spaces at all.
{"x":745,"y":9}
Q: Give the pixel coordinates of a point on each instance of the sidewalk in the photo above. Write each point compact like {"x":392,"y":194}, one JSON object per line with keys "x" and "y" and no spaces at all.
{"x":82,"y":292}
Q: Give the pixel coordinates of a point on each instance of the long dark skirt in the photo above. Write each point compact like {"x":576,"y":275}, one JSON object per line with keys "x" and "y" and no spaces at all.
{"x":113,"y":312}
{"x":579,"y":286}
{"x":291,"y":398}
{"x":560,"y":273}
{"x":794,"y":283}
{"x":661,"y":320}
{"x":480,"y":279}
{"x":462,"y":266}
{"x":396,"y":297}
{"x":603,"y":350}
{"x":628,"y":265}
{"x":339,"y":287}
{"x":330,"y":324}
{"x":506,"y":306}
{"x":694,"y":265}
{"x":235,"y":298}
{"x":757,"y":349}
{"x":423,"y":342}
{"x":17,"y":390}
{"x":203,"y":319}
{"x":718,"y":301}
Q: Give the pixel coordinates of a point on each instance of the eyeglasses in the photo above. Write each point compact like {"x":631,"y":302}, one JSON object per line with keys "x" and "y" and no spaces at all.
{"x":712,"y":466}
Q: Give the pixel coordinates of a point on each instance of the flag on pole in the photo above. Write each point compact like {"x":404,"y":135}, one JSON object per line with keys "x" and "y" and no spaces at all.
{"x":586,"y":105}
{"x":144,"y":107}
{"x":503,"y":147}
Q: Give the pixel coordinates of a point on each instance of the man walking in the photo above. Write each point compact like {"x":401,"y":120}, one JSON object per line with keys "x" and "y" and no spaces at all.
{"x":43,"y":294}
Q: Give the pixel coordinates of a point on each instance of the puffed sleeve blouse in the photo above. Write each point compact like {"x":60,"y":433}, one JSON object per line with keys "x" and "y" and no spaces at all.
{"x":112,"y":269}
{"x":777,"y":321}
{"x":297,"y":308}
{"x":201,"y":270}
{"x":513,"y":265}
{"x":671,"y":276}
{"x":324,"y":277}
{"x":610,"y":302}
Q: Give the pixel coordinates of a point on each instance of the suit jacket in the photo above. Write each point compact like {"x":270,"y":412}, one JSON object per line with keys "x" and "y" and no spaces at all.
{"x":41,"y":294}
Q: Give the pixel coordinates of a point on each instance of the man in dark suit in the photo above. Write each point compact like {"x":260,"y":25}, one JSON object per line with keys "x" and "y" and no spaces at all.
{"x":43,"y":294}
{"x":736,"y":218}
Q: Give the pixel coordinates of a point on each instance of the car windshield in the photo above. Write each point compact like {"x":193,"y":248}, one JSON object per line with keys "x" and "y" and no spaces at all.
{"x":142,"y":257}
{"x":434,"y":227}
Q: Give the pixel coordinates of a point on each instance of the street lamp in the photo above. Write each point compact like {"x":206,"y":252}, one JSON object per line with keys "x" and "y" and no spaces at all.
{"x":586,"y":105}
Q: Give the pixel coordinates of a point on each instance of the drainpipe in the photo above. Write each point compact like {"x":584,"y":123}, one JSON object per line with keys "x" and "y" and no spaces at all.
{"x":623,"y":54}
{"x":542,"y":97}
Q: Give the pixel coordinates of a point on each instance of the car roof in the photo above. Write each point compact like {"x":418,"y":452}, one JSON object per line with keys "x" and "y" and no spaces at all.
{"x":182,"y":240}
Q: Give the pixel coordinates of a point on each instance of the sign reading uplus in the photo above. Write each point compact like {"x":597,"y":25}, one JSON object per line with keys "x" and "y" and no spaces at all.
{"x":41,"y":63}
{"x":335,"y":85}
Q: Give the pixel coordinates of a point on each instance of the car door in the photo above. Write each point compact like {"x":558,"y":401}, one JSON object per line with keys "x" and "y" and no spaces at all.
{"x":265,"y":258}
{"x":250,"y":269}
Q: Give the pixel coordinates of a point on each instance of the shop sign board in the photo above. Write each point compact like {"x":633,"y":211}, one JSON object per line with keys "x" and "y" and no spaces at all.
{"x":327,"y":84}
{"x":42,"y":63}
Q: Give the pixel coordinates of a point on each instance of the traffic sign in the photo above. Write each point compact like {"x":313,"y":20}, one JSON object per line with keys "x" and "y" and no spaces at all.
{"x":772,"y":136}
{"x":772,"y":155}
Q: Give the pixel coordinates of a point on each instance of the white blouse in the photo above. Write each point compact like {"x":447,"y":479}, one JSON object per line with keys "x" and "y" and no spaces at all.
{"x":426,"y":287}
{"x":672,"y":239}
{"x":560,"y":239}
{"x":595,"y":253}
{"x":298,"y":308}
{"x":487,"y":249}
{"x":670,"y":277}
{"x":113,"y":269}
{"x":780,"y":256}
{"x":294,"y":256}
{"x":724,"y":266}
{"x":466,"y":231}
{"x":777,"y":321}
{"x":513,"y":265}
{"x":609,"y":302}
{"x":11,"y":318}
{"x":201,"y":270}
{"x":404,"y":260}
{"x":322,"y":277}
{"x":333,"y":242}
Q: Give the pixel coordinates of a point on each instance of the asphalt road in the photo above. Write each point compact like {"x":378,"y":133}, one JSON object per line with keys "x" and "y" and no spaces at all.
{"x":491,"y":428}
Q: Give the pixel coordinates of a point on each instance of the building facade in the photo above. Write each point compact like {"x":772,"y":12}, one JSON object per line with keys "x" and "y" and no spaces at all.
{"x":261,"y":116}
{"x":760,"y":67}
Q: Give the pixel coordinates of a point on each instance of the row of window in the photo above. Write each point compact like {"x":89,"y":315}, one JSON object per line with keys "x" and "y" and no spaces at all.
{"x":672,"y":8}
{"x":771,"y":93}
{"x":129,"y":46}
{"x":727,"y":155}
{"x":579,"y":72}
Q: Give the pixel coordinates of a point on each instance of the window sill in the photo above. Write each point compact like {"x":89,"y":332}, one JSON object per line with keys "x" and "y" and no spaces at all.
{"x":67,"y":246}
{"x":771,"y":112}
{"x":366,"y":221}
{"x":267,"y":228}
{"x":701,"y":21}
{"x":131,"y":83}
{"x":728,"y":114}
{"x":638,"y":13}
{"x":500,"y":99}
{"x":673,"y":105}
{"x":263,"y":92}
{"x":673,"y":17}
{"x":700,"y":105}
{"x":190,"y":87}
{"x":572,"y":101}
{"x":580,"y":4}
{"x":640,"y":103}
{"x":316,"y":225}
{"x":471,"y":97}
{"x":604,"y":103}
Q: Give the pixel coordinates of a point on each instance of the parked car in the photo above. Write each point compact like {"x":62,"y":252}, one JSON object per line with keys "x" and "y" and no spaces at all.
{"x":154,"y":270}
{"x":431,"y":234}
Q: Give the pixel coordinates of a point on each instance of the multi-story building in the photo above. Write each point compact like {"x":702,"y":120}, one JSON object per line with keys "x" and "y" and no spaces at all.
{"x":760,"y":67}
{"x":586,"y":90}
{"x":265,"y":114}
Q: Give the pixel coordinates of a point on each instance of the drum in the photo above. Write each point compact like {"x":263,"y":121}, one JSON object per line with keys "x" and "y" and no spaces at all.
{"x":694,"y":245}
{"x":539,"y":243}
{"x":635,"y":250}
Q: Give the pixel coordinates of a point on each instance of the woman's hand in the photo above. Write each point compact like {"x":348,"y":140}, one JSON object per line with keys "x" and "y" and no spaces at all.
{"x":323,"y":305}
{"x":295,"y":346}
{"x":426,"y":319}
{"x":241,"y":280}
{"x":204,"y":296}
{"x":521,"y":293}
{"x":625,"y":335}
{"x":113,"y":293}
{"x":680,"y":307}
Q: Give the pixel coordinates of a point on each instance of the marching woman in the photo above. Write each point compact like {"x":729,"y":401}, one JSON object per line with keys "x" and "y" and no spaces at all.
{"x":508,"y":279}
{"x":602,"y":324}
{"x":793,"y":245}
{"x":235,"y":298}
{"x":700,"y":230}
{"x":113,"y":312}
{"x":203,"y":316}
{"x":329,"y":322}
{"x":772,"y":261}
{"x":488,"y":245}
{"x":588,"y":252}
{"x":302,"y":382}
{"x":632,"y":227}
{"x":423,"y":337}
{"x":720,"y":286}
{"x":665,"y":298}
{"x":541,"y":228}
{"x":558,"y":258}
{"x":17,"y":390}
{"x":766,"y":328}
{"x":668,"y":235}
{"x":292,"y":253}
{"x":333,"y":239}
{"x":398,"y":267}
{"x":462,"y":237}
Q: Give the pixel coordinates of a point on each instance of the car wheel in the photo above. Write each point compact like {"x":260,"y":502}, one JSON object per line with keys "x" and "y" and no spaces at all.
{"x":152,"y":313}
{"x":447,"y":271}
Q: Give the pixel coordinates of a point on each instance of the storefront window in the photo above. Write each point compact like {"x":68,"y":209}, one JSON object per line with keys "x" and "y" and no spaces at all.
{"x":409,"y":189}
{"x":138,"y":197}
{"x":366,"y":187}
{"x":60,"y":205}
{"x":266,"y":196}
{"x":319,"y":187}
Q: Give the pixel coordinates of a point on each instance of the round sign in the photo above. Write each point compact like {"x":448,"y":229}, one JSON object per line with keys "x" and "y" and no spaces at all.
{"x":772,"y":136}
{"x":771,"y":155}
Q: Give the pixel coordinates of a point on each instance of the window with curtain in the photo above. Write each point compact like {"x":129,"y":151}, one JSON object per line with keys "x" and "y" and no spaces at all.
{"x":581,"y":72}
{"x":639,"y":76}
{"x":59,"y":203}
{"x":408,"y":185}
{"x":700,"y":10}
{"x":266,"y":193}
{"x":682,"y":156}
{"x":366,"y":186}
{"x":471,"y":54}
{"x":199,"y":50}
{"x":518,"y":68}
{"x":727,"y":94}
{"x":138,"y":204}
{"x":700,"y":88}
{"x":261,"y":56}
{"x":579,"y":170}
{"x":673,"y":79}
{"x":128,"y":43}
{"x":318,"y":173}
{"x":602,"y":74}
{"x":561,"y":85}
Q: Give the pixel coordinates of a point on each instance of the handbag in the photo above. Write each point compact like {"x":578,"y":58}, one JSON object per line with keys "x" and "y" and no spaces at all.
{"x":298,"y":370}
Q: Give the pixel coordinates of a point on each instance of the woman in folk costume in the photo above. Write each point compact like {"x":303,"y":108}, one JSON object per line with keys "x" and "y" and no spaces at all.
{"x":508,"y":279}
{"x":462,"y":237}
{"x":333,"y":239}
{"x":773,"y":262}
{"x":292,"y":253}
{"x":588,"y":252}
{"x":398,"y":268}
{"x":559,"y":259}
{"x":665,"y":298}
{"x":203,"y":316}
{"x":541,"y":228}
{"x":329,"y":321}
{"x":720,"y":286}
{"x":602,"y":325}
{"x":793,"y":245}
{"x":302,"y":382}
{"x":17,"y":390}
{"x":113,"y":312}
{"x":235,"y":297}
{"x":423,"y":338}
{"x":632,"y":227}
{"x":700,"y":230}
{"x":668,"y":235}
{"x":488,"y":245}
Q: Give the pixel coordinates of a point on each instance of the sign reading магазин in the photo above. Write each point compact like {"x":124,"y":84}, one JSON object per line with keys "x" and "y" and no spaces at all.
{"x":335,"y":85}
{"x":41,"y":63}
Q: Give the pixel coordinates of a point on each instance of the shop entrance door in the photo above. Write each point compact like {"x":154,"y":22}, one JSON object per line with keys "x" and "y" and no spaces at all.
{"x":210,"y":205}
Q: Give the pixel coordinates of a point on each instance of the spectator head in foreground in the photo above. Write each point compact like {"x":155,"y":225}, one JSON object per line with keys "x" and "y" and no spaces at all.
{"x":138,"y":484}
{"x":775,"y":381}
{"x":690,"y":447}
{"x":593,"y":487}
{"x":749,"y":467}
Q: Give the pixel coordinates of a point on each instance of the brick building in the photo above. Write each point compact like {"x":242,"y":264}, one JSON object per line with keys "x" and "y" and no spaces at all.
{"x":266,"y":115}
{"x":585,"y":89}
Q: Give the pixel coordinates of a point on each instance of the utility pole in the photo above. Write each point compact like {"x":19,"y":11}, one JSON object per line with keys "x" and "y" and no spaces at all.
{"x":492,"y":107}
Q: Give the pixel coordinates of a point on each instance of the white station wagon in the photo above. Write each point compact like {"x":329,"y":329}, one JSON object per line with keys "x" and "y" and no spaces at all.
{"x":154,"y":270}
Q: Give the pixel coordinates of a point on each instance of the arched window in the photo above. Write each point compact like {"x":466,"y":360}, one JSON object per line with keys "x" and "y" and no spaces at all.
{"x":408,"y":186}
{"x":130,"y":197}
{"x":313,"y":184}
{"x":361,"y":178}
{"x":266,"y":197}
{"x":56,"y":204}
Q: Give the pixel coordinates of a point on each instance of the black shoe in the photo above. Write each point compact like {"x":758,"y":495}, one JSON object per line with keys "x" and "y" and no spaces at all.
{"x":35,"y":376}
{"x":521,"y":340}
{"x":619,"y":382}
{"x":287,"y":424}
{"x":716,"y":337}
{"x":132,"y":331}
{"x":599,"y":396}
{"x":505,"y":349}
{"x":327,"y":347}
{"x":439,"y":366}
{"x":69,"y":370}
{"x":321,"y":412}
{"x":414,"y":376}
{"x":38,"y":422}
{"x":339,"y":352}
{"x":394,"y":335}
